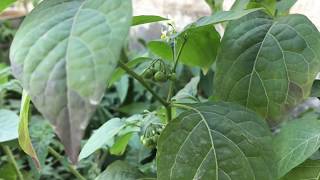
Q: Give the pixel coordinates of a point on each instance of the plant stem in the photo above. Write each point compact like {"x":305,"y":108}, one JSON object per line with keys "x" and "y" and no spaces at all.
{"x":13,"y":162}
{"x":69,"y":166}
{"x":176,"y":60}
{"x":144,"y":83}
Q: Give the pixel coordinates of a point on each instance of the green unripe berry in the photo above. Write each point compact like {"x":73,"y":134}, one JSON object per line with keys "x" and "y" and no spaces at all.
{"x":160,"y":76}
{"x":148,"y":73}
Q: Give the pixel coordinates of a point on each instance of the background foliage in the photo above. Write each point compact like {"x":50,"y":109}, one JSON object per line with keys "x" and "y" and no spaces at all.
{"x":180,"y":130}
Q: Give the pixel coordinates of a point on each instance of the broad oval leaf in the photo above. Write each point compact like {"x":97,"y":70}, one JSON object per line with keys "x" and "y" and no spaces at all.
{"x":215,"y":141}
{"x":64,"y":53}
{"x":296,"y":142}
{"x":309,"y":170}
{"x":9,"y":122}
{"x":268,"y":65}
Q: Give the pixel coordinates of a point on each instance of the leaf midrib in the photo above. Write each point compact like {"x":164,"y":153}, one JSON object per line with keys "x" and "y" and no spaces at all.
{"x":212,"y":144}
{"x":67,"y":79}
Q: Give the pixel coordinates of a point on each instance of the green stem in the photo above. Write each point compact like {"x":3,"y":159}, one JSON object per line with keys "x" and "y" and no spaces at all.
{"x":176,"y":60}
{"x":13,"y":162}
{"x":143,"y":82}
{"x":146,"y":85}
{"x":69,"y":166}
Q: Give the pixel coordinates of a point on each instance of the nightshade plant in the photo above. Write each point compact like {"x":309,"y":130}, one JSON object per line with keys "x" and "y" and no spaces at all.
{"x":66,"y":52}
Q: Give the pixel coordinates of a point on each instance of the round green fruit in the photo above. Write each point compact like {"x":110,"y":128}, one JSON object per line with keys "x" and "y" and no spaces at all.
{"x":160,"y":76}
{"x":148,"y":73}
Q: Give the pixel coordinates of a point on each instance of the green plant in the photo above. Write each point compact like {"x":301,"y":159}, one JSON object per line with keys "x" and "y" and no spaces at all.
{"x":66,"y":53}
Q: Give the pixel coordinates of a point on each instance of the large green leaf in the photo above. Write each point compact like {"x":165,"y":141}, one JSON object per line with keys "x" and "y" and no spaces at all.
{"x":120,"y":170}
{"x":8,"y":125}
{"x":309,"y":170}
{"x":65,"y":59}
{"x":296,"y":142}
{"x":268,"y":65}
{"x":215,"y":141}
{"x":5,"y":3}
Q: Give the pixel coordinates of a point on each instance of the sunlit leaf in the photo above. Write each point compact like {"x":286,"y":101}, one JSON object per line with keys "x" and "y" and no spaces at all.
{"x":296,"y":142}
{"x":268,"y":65}
{"x":65,"y":59}
{"x":215,"y":141}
